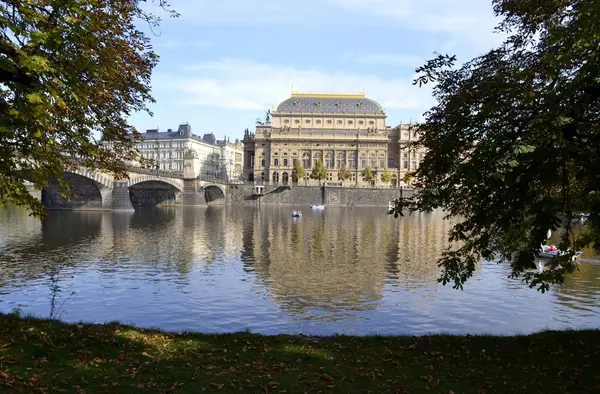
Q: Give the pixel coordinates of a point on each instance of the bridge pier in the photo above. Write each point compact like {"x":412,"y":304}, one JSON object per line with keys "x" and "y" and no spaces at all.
{"x":193,"y":193}
{"x":121,"y":201}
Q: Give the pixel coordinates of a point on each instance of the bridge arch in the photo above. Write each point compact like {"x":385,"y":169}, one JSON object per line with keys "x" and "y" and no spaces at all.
{"x":152,"y":190}
{"x":137,"y":179}
{"x":97,"y":177}
{"x":88,"y":191}
{"x":214,"y":194}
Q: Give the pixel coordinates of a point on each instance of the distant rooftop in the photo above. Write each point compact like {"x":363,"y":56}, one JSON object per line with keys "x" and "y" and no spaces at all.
{"x":317,"y":102}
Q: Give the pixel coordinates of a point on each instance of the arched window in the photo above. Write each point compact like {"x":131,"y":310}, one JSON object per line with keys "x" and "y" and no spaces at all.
{"x":363,"y":160}
{"x":276,"y":177}
{"x":306,"y":160}
{"x":341,"y":159}
{"x":285,"y":178}
{"x":381,"y":160}
{"x":372,"y":160}
{"x":351,"y":160}
{"x":316,"y":157}
{"x":329,"y":162}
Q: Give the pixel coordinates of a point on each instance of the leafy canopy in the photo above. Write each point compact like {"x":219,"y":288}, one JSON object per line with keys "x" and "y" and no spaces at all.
{"x":344,"y":173}
{"x":514,"y":141}
{"x":298,"y":170}
{"x":386,"y":177}
{"x":368,"y":175}
{"x":71,"y":71}
{"x":319,"y":172}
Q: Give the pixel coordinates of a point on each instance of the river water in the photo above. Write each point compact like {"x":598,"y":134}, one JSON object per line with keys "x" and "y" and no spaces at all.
{"x":222,"y":269}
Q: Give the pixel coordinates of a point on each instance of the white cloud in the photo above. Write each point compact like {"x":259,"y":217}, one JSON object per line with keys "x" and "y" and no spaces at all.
{"x":386,"y":59}
{"x":166,"y":42}
{"x":430,"y":15}
{"x":471,"y":22}
{"x":256,"y":12}
{"x":247,"y":85}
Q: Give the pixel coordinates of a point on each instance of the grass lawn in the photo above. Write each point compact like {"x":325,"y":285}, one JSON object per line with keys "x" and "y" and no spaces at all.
{"x":53,"y":357}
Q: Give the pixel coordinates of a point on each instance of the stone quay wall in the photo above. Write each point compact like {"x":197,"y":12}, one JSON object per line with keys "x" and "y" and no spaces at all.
{"x":362,"y":196}
{"x":314,"y":195}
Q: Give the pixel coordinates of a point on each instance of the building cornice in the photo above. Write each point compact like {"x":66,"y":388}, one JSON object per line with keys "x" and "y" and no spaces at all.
{"x":277,"y":114}
{"x":356,"y":95}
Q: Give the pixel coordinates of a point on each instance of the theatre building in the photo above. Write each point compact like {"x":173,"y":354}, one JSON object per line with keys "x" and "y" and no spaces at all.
{"x":335,"y":128}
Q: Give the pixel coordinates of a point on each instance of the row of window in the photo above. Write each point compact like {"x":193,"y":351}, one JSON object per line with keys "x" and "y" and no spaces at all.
{"x":364,"y":162}
{"x":164,"y":145}
{"x":286,"y":178}
{"x":338,"y":164}
{"x":338,"y":122}
{"x":178,"y":155}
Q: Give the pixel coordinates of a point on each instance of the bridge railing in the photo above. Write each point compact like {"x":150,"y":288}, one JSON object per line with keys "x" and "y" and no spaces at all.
{"x":151,"y":171}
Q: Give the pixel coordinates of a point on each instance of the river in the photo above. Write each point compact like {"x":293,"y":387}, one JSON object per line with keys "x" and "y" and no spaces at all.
{"x":223,"y":269}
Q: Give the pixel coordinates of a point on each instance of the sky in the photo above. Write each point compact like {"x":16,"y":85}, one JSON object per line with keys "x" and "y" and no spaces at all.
{"x":224,"y":63}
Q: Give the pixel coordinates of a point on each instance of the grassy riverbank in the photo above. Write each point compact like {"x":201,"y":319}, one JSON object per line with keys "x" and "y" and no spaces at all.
{"x":48,"y":356}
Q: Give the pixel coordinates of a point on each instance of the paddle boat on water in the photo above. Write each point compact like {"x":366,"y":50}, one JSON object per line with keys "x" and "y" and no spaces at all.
{"x":550,"y":251}
{"x":318,"y":206}
{"x":296,"y":214}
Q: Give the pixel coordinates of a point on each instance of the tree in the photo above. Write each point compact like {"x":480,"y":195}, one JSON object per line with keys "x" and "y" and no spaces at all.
{"x":513,"y":142}
{"x":386,"y":177}
{"x":298,"y":171}
{"x":408,"y":178}
{"x":319,"y":172}
{"x":368,"y":175}
{"x":71,"y":72}
{"x":344,"y":173}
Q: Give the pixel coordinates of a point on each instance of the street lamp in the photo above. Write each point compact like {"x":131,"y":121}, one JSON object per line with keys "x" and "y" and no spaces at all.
{"x":357,"y":158}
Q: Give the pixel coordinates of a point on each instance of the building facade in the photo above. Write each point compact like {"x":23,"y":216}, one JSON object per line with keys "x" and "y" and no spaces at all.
{"x":213,"y":158}
{"x":337,"y":129}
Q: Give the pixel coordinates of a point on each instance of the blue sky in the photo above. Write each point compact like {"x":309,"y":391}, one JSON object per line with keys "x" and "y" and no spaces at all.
{"x":224,"y":63}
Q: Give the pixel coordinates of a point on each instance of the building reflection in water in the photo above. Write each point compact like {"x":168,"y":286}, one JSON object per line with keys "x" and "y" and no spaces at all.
{"x":341,"y":259}
{"x":228,"y":268}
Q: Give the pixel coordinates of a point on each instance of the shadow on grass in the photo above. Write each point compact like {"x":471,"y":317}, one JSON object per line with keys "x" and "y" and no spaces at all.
{"x":49,"y":356}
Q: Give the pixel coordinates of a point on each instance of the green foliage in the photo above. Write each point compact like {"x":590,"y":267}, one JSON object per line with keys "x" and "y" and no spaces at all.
{"x":55,"y":357}
{"x":408,"y":178}
{"x":344,"y":173}
{"x":71,"y":72}
{"x":319,"y":172}
{"x":368,"y":175}
{"x":386,"y":177}
{"x":513,"y":141}
{"x":298,"y":170}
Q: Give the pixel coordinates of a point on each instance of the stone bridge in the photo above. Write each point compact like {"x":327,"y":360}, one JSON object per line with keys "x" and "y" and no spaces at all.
{"x":102,"y":191}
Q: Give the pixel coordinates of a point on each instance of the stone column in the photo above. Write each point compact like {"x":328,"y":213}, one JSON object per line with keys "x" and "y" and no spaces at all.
{"x":193,"y":193}
{"x":120,"y":197}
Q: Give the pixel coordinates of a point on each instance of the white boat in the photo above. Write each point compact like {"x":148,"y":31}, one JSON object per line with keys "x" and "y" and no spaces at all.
{"x":318,"y":206}
{"x":546,"y":252}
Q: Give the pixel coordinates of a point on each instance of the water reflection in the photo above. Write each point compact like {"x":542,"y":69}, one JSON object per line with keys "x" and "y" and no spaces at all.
{"x":230,"y":268}
{"x":341,"y":259}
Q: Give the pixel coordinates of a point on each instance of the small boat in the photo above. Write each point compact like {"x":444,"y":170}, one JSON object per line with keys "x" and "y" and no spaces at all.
{"x":318,"y":206}
{"x":296,"y":214}
{"x":551,"y":251}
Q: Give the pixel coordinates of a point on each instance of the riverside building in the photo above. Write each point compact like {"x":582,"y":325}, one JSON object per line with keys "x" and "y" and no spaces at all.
{"x":215,"y":158}
{"x":335,"y":128}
